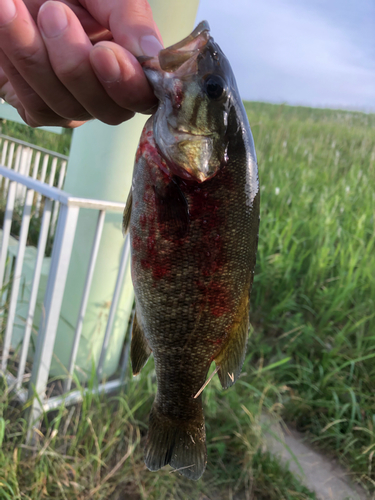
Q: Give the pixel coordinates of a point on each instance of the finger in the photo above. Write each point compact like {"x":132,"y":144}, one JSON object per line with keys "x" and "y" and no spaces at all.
{"x":133,"y":28}
{"x":22,"y":44}
{"x":68,"y":48}
{"x":94,"y":30}
{"x":13,"y":86}
{"x":3,"y":81}
{"x":6,"y":90}
{"x":130,"y":22}
{"x":122,"y":77}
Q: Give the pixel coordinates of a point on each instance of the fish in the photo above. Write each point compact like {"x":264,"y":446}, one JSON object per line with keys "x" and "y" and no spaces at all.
{"x":193,"y":218}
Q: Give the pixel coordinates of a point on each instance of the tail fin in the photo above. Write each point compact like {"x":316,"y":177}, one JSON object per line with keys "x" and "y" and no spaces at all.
{"x":178,"y":443}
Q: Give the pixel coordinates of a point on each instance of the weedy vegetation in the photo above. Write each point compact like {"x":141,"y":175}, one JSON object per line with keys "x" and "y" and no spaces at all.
{"x":314,"y":291}
{"x":60,"y":143}
{"x":311,"y":354}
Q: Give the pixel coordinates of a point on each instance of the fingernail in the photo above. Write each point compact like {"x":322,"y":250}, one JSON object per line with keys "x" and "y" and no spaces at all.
{"x":7,"y":12}
{"x":150,"y":45}
{"x":105,"y":64}
{"x":52,"y":19}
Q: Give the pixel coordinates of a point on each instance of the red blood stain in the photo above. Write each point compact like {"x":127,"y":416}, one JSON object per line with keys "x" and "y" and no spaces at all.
{"x":147,"y":251}
{"x":145,"y":263}
{"x":216,"y":342}
{"x":143,"y":220}
{"x":136,"y":242}
{"x":207,"y":215}
{"x":178,"y":98}
{"x":208,"y":212}
{"x":178,"y":94}
{"x":216,"y":295}
{"x":205,"y":211}
{"x":147,"y":149}
{"x":219,"y":299}
{"x":159,"y":271}
{"x":151,"y":243}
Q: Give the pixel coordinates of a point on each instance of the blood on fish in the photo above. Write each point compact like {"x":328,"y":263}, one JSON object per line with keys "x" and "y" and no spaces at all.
{"x":148,"y":255}
{"x":136,"y":242}
{"x":143,"y":220}
{"x":151,"y":243}
{"x":159,"y":271}
{"x":204,"y":211}
{"x":148,"y":150}
{"x":145,"y":263}
{"x":178,"y":94}
{"x":216,"y":296}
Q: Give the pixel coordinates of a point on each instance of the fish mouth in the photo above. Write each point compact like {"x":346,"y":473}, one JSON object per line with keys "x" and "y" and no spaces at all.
{"x":172,"y":58}
{"x":194,"y":152}
{"x":200,"y":146}
{"x":186,"y":135}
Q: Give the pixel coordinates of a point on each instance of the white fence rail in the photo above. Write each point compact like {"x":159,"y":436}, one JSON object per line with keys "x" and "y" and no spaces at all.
{"x":10,"y":272}
{"x":19,"y":155}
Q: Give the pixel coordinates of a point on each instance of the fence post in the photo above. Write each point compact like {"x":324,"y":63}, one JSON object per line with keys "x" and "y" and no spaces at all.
{"x":124,"y":260}
{"x":62,"y":248}
{"x":17,"y":276}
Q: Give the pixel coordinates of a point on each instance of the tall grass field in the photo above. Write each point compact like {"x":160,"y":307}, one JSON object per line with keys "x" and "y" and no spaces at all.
{"x":311,"y":354}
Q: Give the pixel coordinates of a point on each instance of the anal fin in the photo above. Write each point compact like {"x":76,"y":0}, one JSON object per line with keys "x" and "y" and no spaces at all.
{"x":231,"y":357}
{"x":139,"y":350}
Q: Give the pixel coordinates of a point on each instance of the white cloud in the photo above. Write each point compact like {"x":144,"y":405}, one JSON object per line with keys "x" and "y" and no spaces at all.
{"x":282,"y":51}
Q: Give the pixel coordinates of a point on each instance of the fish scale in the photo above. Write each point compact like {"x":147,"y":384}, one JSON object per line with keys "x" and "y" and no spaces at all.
{"x":193,"y":217}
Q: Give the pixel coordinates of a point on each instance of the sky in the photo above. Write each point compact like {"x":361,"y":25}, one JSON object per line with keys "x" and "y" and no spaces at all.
{"x":318,"y":53}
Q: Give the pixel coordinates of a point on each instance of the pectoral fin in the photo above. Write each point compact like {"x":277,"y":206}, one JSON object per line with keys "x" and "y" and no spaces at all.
{"x":127,"y":213}
{"x":230,"y":359}
{"x":139,"y":350}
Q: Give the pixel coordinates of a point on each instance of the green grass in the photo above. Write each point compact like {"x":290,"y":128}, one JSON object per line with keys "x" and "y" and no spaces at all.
{"x":94,"y":450}
{"x":314,"y":291}
{"x":59,"y":143}
{"x":311,"y":356}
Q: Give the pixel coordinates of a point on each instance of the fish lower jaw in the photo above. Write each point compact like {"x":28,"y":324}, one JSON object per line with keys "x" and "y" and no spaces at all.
{"x":183,"y":135}
{"x":187,"y":173}
{"x":192,"y":164}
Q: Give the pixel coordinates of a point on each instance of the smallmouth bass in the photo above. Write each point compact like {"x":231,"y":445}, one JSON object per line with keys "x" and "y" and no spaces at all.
{"x":193,"y":217}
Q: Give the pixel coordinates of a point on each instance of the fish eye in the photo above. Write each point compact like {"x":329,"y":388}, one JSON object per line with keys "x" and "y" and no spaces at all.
{"x":214,"y":86}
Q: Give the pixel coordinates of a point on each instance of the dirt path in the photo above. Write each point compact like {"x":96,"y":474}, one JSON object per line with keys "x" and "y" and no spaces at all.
{"x":328,"y":479}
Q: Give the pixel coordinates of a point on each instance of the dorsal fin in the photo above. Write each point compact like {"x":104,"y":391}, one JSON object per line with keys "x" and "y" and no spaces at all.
{"x":127,"y":213}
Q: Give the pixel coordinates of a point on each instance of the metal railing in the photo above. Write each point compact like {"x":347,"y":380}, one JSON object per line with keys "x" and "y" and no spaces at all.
{"x":59,"y":264}
{"x":32,"y":161}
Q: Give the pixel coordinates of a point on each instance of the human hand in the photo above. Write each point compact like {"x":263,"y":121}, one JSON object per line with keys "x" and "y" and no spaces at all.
{"x":66,"y":63}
